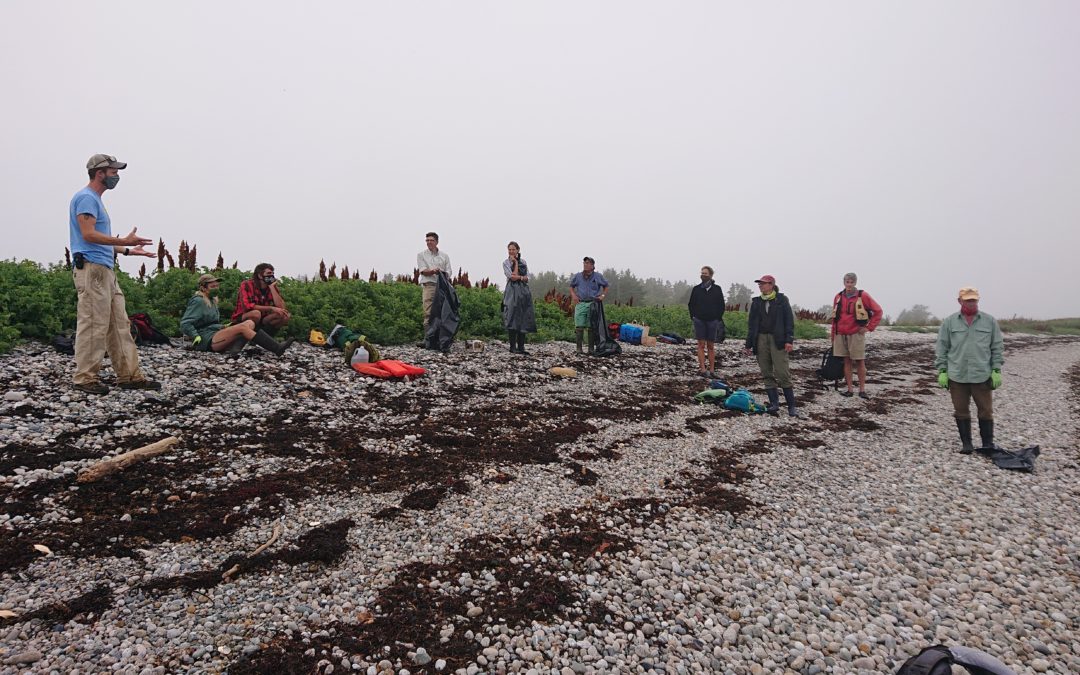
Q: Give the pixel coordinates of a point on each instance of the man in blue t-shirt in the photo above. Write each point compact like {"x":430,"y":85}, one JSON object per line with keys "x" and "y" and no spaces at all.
{"x":103,"y":324}
{"x":586,"y":286}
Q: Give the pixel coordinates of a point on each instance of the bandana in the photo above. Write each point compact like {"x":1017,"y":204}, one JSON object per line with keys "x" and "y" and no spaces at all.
{"x":770,"y":297}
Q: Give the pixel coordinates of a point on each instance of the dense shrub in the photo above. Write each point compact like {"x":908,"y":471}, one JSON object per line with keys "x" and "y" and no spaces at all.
{"x":38,"y":301}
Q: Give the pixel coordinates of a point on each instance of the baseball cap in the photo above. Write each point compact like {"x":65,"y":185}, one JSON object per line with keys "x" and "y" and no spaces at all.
{"x":969,"y":293}
{"x":767,"y":278}
{"x":207,"y":278}
{"x":104,"y":162}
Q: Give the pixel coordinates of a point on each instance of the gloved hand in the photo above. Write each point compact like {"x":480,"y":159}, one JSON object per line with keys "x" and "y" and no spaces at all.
{"x":943,"y":379}
{"x":995,"y":379}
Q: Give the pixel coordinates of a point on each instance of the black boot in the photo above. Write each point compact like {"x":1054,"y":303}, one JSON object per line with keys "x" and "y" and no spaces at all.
{"x":592,"y":341}
{"x":579,"y":335}
{"x":521,"y":342}
{"x":263,"y":339}
{"x":964,"y":427}
{"x":986,"y":431}
{"x":789,"y":396}
{"x":236,"y":347}
{"x":774,"y":401}
{"x":513,"y":341}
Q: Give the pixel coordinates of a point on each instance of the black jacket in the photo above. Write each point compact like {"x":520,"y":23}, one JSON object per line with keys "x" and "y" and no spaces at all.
{"x":707,"y":305}
{"x":783,"y":331}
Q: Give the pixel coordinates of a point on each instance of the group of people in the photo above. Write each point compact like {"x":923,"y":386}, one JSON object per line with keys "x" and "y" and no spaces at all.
{"x":969,"y":349}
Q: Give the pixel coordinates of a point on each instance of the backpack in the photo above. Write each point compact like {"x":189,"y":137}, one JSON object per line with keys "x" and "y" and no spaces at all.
{"x":716,"y":393}
{"x":939,"y":660}
{"x":832,"y":368}
{"x":743,"y":401}
{"x":64,"y":343}
{"x":143,"y":331}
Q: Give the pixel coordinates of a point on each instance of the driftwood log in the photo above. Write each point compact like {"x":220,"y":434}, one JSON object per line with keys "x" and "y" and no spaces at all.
{"x":106,"y":467}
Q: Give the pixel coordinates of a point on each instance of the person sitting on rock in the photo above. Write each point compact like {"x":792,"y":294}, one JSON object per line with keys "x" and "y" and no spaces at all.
{"x":202,"y":323}
{"x":259,"y":301}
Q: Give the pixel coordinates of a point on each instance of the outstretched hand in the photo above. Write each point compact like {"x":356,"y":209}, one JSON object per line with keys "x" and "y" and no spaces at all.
{"x":139,"y":250}
{"x":132,"y":239}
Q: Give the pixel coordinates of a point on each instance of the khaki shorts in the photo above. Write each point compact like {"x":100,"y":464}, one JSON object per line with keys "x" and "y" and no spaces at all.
{"x":850,"y":346}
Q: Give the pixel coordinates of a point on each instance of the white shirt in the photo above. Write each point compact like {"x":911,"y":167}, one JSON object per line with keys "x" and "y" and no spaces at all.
{"x":427,"y":260}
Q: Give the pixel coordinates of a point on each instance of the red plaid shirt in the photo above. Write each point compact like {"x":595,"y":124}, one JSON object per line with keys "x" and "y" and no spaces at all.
{"x":249,"y":296}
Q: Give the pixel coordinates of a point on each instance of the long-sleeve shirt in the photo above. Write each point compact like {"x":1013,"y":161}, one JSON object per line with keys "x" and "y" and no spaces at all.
{"x":706,"y":302}
{"x":508,"y":268}
{"x":248,"y":296}
{"x":426,"y":260}
{"x":200,"y":318}
{"x":846,"y":324}
{"x":970,"y":352}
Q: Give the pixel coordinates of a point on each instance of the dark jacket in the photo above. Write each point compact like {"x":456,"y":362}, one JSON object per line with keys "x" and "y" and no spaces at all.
{"x":707,"y":305}
{"x":783,"y":331}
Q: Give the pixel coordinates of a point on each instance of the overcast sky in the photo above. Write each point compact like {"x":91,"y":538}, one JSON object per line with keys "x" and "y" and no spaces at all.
{"x":923,"y":145}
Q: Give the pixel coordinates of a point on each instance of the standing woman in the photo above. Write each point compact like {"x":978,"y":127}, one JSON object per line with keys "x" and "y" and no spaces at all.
{"x":202,"y":323}
{"x":519,"y":317}
{"x":770,"y":333}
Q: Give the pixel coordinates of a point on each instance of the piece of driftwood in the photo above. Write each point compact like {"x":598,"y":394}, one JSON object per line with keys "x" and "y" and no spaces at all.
{"x":111,"y":465}
{"x":273,"y":537}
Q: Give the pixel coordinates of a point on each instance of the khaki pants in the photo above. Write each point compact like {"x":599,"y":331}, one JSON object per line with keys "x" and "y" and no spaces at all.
{"x":773,"y":362}
{"x":103,"y":326}
{"x":429,"y":297}
{"x":962,"y":394}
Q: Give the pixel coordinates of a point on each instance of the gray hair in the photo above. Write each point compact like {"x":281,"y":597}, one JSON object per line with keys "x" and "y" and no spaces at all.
{"x":852,"y":276}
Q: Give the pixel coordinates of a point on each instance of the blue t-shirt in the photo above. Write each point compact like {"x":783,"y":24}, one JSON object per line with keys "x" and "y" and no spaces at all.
{"x":588,"y":289}
{"x":89,"y":202}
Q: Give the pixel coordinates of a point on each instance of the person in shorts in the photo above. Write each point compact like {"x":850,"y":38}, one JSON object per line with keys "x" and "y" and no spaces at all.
{"x":855,"y":314}
{"x":585,"y":287}
{"x":707,"y":314}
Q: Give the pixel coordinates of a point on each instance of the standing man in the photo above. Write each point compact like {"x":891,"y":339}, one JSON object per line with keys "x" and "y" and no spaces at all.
{"x":103,"y":324}
{"x":586,"y":286}
{"x":970,"y":353}
{"x":258,"y":300}
{"x":430,"y":262}
{"x":770,"y":333}
{"x":854,"y":315}
{"x":707,"y":314}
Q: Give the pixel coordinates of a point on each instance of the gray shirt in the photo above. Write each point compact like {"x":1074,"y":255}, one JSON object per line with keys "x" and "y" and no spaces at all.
{"x":427,"y":260}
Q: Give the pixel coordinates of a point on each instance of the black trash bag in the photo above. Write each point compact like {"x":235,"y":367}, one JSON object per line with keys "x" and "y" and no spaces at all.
{"x":939,"y":659}
{"x":64,"y":343}
{"x":444,"y":321}
{"x":1017,"y":460}
{"x":605,"y":346}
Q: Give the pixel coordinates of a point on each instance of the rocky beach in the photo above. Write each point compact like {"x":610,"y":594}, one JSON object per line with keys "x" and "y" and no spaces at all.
{"x":489,"y":517}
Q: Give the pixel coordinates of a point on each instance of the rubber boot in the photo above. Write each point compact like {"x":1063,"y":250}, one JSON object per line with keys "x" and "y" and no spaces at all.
{"x":236,"y":347}
{"x":964,"y":427}
{"x":789,"y":396}
{"x":513,"y":341}
{"x":264,"y":340}
{"x":774,"y":401}
{"x":986,"y":431}
{"x":592,"y":341}
{"x":521,"y":342}
{"x":579,"y":335}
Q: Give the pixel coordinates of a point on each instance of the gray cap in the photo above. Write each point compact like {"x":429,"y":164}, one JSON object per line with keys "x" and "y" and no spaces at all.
{"x":104,"y":162}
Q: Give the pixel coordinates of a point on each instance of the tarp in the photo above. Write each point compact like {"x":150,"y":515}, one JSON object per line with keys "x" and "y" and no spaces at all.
{"x":605,"y":346}
{"x":443,"y":324}
{"x":1017,"y":460}
{"x":517,"y":307}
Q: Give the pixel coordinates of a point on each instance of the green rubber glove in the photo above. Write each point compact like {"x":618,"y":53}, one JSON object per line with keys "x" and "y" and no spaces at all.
{"x":943,"y":379}
{"x":995,"y":379}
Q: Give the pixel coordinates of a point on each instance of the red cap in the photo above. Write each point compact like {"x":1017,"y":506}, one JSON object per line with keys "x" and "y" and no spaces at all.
{"x":768,"y":277}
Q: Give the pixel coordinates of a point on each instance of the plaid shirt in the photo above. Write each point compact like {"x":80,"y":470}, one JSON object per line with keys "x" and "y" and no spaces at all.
{"x":249,"y":296}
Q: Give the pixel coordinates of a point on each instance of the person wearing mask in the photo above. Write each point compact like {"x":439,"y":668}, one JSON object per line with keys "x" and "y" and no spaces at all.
{"x":101,"y":315}
{"x":968,"y":357}
{"x":707,"y":314}
{"x":431,"y":261}
{"x":854,"y":315}
{"x":259,"y":301}
{"x":770,"y":333}
{"x":519,"y":316}
{"x":202,"y":323}
{"x":586,"y":286}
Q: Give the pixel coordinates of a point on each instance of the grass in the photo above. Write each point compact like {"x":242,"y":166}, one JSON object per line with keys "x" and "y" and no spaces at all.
{"x":914,"y":329}
{"x":1041,"y":327}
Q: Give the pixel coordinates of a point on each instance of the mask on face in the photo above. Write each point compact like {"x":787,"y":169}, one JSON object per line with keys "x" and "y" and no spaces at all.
{"x":213,"y":292}
{"x":111,"y":181}
{"x":268,"y":279}
{"x":969,"y":311}
{"x":705,"y":279}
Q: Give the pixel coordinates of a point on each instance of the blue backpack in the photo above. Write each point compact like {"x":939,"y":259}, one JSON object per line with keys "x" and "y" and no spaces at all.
{"x":743,"y":401}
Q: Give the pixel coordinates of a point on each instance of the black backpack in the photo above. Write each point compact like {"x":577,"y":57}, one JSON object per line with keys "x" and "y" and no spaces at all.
{"x":939,"y":660}
{"x":143,"y":331}
{"x":832,"y":368}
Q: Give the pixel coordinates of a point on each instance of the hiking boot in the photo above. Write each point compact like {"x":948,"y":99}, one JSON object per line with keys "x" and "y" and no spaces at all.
{"x":774,"y":402}
{"x":151,"y":385}
{"x":964,"y":427}
{"x":864,"y":396}
{"x":264,"y":340}
{"x":91,"y":388}
{"x":789,"y":396}
{"x":986,"y":431}
{"x":847,"y":394}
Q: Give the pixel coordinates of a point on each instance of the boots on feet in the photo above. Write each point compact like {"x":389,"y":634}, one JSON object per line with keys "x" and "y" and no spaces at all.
{"x":964,"y":427}
{"x":579,"y":336}
{"x":789,"y":396}
{"x":986,"y":431}
{"x":264,"y":340}
{"x":774,"y":401}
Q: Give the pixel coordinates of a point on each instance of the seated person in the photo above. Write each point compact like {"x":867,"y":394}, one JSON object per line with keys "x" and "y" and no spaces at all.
{"x":259,"y":301}
{"x":202,"y":323}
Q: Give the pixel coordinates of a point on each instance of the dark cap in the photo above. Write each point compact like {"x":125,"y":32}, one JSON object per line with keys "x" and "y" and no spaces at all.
{"x":104,"y":162}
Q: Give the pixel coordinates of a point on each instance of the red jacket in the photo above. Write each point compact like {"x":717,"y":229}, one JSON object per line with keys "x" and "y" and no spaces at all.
{"x":847,"y":324}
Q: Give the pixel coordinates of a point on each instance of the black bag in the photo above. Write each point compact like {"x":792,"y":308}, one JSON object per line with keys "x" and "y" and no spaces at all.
{"x":605,"y":345}
{"x":143,"y":331}
{"x":832,"y":368}
{"x":65,"y":344}
{"x":939,"y":659}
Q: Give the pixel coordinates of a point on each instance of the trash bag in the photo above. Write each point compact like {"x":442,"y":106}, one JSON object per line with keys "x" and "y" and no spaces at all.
{"x":938,"y":660}
{"x":64,"y":343}
{"x":444,"y":321}
{"x":1017,"y":460}
{"x":605,"y":346}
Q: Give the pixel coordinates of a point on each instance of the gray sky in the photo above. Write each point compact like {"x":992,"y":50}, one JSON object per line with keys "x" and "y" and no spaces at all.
{"x":924,"y":145}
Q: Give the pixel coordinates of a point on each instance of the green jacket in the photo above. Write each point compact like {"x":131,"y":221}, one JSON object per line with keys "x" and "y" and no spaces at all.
{"x":200,"y":318}
{"x":969,"y":353}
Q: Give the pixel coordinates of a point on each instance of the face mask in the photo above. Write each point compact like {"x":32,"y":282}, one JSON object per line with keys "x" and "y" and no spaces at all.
{"x":111,"y":181}
{"x":969,"y":311}
{"x":705,"y":279}
{"x":213,"y":292}
{"x":268,"y":279}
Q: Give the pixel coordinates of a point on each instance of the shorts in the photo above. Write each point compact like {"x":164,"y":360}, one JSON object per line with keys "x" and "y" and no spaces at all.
{"x":581,"y":314}
{"x":706,"y":330}
{"x":204,"y":345}
{"x":850,"y":346}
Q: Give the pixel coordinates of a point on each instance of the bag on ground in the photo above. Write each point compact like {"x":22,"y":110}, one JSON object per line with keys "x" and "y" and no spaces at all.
{"x":143,"y":331}
{"x":832,"y":368}
{"x":743,"y":401}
